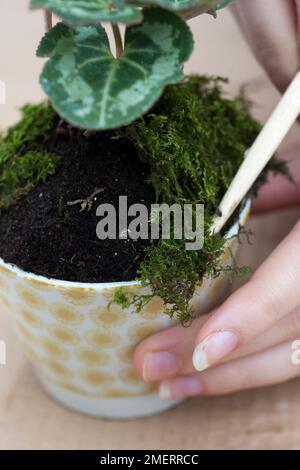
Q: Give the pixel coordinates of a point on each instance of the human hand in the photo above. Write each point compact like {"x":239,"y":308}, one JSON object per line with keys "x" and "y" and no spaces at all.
{"x":272,"y":29}
{"x":247,"y":341}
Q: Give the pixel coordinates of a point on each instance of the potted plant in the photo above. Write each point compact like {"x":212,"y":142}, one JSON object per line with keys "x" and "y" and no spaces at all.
{"x":124,"y":128}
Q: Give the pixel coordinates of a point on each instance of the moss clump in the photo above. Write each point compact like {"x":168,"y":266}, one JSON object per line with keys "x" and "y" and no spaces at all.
{"x":22,"y":163}
{"x":194,"y":141}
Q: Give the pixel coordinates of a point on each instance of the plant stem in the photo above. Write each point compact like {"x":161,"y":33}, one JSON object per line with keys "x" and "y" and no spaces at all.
{"x":118,"y":39}
{"x":48,"y":20}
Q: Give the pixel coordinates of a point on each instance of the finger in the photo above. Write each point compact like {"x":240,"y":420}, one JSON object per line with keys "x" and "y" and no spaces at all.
{"x":286,"y":329}
{"x":169,"y":353}
{"x":279,"y":192}
{"x":270,"y":367}
{"x":270,"y":27}
{"x":271,"y":294}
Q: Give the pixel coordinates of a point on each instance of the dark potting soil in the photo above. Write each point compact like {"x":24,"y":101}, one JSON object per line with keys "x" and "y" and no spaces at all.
{"x":52,"y":232}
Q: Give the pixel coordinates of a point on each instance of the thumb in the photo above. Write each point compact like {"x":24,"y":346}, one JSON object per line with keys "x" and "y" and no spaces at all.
{"x":271,"y":293}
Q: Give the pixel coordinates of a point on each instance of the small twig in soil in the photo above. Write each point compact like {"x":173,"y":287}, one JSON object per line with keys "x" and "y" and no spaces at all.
{"x":132,"y":263}
{"x":86,"y":204}
{"x":89,"y":133}
{"x":60,"y":206}
{"x":63,"y":128}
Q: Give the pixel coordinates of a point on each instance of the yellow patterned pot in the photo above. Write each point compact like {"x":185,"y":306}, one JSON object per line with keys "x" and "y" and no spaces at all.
{"x":80,"y":349}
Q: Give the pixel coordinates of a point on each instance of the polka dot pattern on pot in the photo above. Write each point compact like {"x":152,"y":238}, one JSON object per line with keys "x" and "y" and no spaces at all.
{"x":78,"y":339}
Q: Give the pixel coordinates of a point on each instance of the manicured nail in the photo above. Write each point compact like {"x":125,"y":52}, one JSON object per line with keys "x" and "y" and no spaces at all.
{"x":214,"y":348}
{"x":159,"y":365}
{"x":179,"y":388}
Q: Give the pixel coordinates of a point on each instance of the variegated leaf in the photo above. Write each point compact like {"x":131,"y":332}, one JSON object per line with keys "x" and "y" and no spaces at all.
{"x":93,"y":90}
{"x":200,"y":6}
{"x":84,"y":12}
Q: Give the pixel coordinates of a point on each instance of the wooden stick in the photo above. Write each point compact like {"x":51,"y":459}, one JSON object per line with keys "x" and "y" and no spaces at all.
{"x":264,"y":147}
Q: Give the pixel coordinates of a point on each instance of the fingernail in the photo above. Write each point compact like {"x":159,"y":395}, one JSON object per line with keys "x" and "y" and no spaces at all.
{"x":179,"y":388}
{"x":214,"y":348}
{"x":159,"y":365}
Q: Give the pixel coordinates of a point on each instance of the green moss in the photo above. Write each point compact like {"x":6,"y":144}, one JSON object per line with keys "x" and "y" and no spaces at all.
{"x":22,"y":162}
{"x":122,"y":297}
{"x":194,"y":141}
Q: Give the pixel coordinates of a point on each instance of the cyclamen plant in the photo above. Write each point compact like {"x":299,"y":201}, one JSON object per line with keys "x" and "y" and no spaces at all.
{"x":192,"y":141}
{"x":90,"y":87}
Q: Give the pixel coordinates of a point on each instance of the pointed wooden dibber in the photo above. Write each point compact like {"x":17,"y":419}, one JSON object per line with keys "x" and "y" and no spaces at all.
{"x":264,"y":147}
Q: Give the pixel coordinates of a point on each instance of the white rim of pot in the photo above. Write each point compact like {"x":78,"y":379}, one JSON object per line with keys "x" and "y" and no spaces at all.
{"x":232,"y":232}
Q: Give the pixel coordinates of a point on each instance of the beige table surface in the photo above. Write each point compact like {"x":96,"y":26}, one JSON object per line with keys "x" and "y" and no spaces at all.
{"x":260,"y":419}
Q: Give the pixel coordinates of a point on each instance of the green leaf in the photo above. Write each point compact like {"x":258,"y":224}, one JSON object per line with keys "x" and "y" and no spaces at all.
{"x":83,"y":12}
{"x":175,"y":5}
{"x":93,"y":90}
{"x":49,"y":42}
{"x":223,"y":4}
{"x":88,"y":12}
{"x":200,"y":6}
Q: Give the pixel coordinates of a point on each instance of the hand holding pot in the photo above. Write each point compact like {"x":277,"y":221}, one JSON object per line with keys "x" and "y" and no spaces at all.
{"x":249,"y":341}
